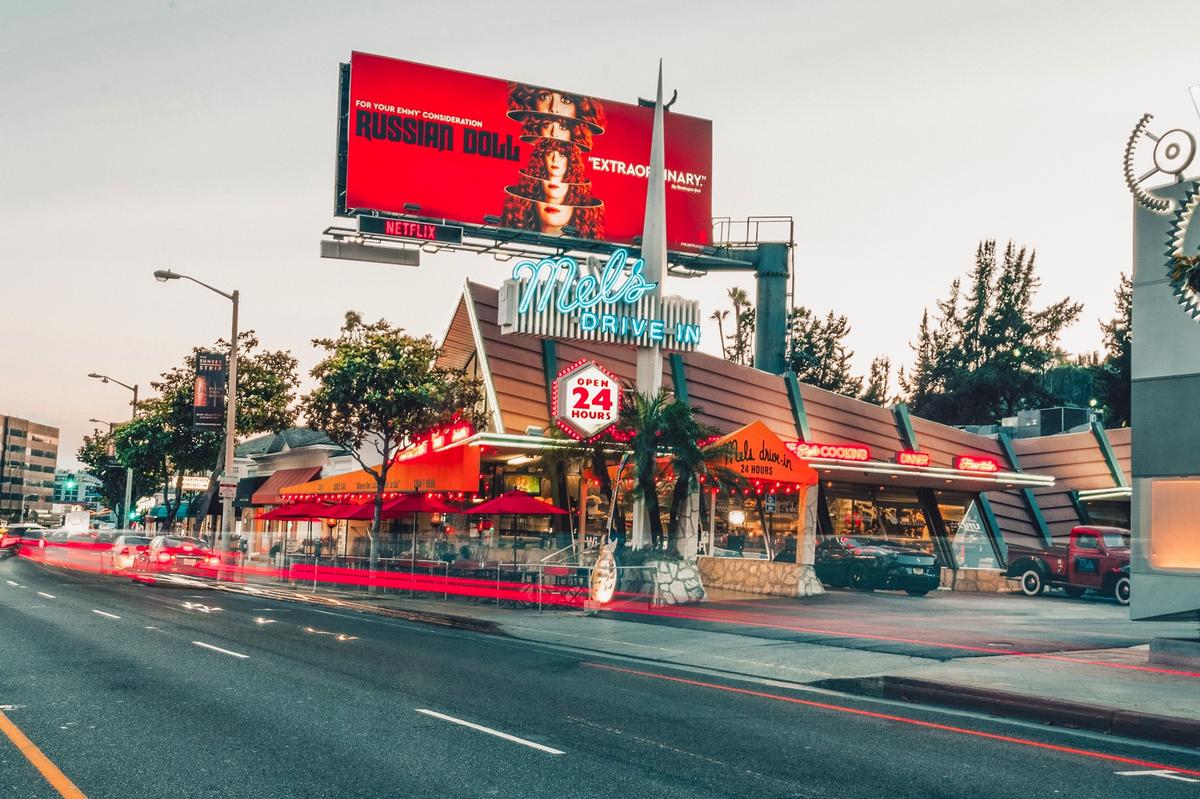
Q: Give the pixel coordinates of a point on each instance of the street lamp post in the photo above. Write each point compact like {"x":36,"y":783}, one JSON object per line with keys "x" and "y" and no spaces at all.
{"x":128,"y":470}
{"x":162,"y":276}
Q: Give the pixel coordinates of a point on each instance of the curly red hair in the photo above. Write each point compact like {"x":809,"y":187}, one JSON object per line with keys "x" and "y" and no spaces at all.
{"x":521,"y":213}
{"x":536,"y":166}
{"x":524,"y":97}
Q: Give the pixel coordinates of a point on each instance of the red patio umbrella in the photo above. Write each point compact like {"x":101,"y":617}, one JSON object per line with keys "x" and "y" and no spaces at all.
{"x":516,"y":503}
{"x":414,"y":504}
{"x":300,"y":511}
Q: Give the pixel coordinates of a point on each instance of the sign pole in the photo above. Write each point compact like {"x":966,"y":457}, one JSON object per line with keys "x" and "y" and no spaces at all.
{"x":654,"y":256}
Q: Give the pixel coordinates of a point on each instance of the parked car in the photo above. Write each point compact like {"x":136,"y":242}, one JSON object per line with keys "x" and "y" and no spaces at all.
{"x":172,"y":554}
{"x":866,"y":563}
{"x":1095,"y":558}
{"x":125,"y":550}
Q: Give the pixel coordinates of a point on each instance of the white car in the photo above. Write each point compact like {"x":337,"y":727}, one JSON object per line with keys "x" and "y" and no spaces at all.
{"x":125,"y":550}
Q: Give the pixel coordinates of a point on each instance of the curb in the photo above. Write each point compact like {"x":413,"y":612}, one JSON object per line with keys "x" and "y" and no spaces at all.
{"x":1059,"y":713}
{"x":448,"y":620}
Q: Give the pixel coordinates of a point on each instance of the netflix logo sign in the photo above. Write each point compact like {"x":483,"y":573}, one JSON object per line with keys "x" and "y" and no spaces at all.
{"x":409,"y":229}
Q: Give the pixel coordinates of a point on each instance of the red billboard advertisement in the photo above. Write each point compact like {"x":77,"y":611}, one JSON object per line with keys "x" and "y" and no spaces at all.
{"x":460,"y":147}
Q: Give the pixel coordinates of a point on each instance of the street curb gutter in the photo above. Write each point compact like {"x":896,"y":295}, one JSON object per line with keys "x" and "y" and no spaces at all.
{"x":1077,"y":715}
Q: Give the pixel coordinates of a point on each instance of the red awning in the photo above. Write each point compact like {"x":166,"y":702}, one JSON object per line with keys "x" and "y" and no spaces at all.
{"x":515,"y":503}
{"x":268,"y":493}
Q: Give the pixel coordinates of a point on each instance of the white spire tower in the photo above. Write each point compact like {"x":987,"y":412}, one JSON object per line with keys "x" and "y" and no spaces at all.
{"x":654,"y":254}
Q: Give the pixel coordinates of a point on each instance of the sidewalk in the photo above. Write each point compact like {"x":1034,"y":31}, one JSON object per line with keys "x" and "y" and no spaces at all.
{"x":1114,"y":689}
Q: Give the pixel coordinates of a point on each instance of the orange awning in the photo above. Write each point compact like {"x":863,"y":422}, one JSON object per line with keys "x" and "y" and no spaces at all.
{"x":755,"y":453}
{"x":453,"y":469}
{"x":269,"y":492}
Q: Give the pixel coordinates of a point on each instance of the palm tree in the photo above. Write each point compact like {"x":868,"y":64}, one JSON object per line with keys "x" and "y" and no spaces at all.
{"x":682,"y":435}
{"x":720,"y":317}
{"x":661,"y":425}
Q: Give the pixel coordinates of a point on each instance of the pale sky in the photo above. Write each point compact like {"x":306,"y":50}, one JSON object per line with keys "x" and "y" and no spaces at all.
{"x":200,"y":136}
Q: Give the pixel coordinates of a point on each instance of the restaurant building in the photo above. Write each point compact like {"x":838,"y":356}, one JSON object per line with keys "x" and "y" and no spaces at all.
{"x":882,"y":471}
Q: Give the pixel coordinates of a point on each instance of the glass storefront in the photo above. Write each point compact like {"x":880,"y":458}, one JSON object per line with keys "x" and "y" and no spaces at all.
{"x":970,"y":545}
{"x":893,"y":514}
{"x":951,"y":526}
{"x":746,"y":524}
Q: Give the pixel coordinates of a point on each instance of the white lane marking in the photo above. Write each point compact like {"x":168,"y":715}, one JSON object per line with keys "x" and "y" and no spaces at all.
{"x":199,"y":607}
{"x":14,"y":585}
{"x":1162,"y":772}
{"x":219,"y":649}
{"x":48,"y":596}
{"x":490,"y":731}
{"x":106,"y":615}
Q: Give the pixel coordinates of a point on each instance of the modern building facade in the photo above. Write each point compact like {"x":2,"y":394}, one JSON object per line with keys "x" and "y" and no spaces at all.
{"x":77,"y":488}
{"x":28,"y":460}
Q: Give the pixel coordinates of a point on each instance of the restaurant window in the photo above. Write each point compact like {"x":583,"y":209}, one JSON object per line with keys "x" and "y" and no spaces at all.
{"x":970,"y":544}
{"x":741,"y":524}
{"x":892,"y":514}
{"x":1108,"y":513}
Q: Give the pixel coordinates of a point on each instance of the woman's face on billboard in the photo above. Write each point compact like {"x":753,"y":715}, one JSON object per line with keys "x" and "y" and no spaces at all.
{"x":556,"y":164}
{"x":552,"y":217}
{"x":555,"y":130}
{"x":549,"y":102}
{"x":554,"y":191}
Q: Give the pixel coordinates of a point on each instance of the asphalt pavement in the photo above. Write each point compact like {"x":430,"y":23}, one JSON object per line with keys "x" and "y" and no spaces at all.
{"x":136,"y":691}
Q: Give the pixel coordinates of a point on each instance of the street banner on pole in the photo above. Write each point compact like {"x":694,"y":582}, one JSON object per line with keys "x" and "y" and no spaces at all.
{"x":208,"y":399}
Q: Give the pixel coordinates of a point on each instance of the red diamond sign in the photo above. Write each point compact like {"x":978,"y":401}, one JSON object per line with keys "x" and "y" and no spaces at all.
{"x":587,"y":400}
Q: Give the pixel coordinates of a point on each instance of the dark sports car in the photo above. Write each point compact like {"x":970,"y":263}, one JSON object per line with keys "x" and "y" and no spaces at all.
{"x":868,"y":563}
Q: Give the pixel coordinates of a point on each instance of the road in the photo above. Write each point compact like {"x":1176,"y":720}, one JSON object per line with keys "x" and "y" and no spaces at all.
{"x":149,"y":691}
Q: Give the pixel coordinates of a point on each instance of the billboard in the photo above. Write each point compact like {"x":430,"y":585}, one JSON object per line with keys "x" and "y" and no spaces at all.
{"x":208,"y":396}
{"x":460,"y":147}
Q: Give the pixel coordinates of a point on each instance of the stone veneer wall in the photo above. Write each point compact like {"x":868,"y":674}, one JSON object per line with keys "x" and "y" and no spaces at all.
{"x":760,"y":576}
{"x":983,"y":581}
{"x":672,"y":582}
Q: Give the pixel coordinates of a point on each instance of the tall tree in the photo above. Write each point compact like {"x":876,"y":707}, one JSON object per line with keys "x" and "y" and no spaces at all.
{"x":879,"y":382}
{"x":817,"y":354}
{"x":161,"y":443}
{"x":988,"y":355}
{"x":378,"y":387}
{"x":1113,"y":376}
{"x":98,"y":454}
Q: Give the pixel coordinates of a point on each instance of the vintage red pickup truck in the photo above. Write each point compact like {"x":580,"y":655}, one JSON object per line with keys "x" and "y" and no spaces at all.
{"x":1095,"y":558}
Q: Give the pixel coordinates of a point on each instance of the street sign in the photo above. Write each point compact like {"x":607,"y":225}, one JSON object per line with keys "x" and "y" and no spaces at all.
{"x":586,"y":399}
{"x":228,"y":487}
{"x":192,"y":482}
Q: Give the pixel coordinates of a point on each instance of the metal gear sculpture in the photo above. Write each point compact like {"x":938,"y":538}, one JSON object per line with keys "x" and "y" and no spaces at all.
{"x":1183,"y":269}
{"x":1173,"y":153}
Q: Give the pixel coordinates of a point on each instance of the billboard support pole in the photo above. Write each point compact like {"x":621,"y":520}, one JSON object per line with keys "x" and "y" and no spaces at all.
{"x":770,"y":334}
{"x":654,"y":256}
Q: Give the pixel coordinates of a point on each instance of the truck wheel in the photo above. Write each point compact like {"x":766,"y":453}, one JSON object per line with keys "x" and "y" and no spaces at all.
{"x":1074,"y":591}
{"x":1031,"y":582}
{"x":860,"y":578}
{"x":1121,"y":590}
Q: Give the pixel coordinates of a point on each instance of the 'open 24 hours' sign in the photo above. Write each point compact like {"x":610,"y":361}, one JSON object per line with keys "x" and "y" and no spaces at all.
{"x":587,"y":400}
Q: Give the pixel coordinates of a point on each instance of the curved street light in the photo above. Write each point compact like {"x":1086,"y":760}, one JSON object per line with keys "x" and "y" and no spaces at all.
{"x":162,"y":276}
{"x":132,"y":415}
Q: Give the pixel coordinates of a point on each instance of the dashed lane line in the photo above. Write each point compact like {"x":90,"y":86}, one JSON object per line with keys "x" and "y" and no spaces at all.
{"x":219,"y":649}
{"x":105,"y":614}
{"x":490,"y":731}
